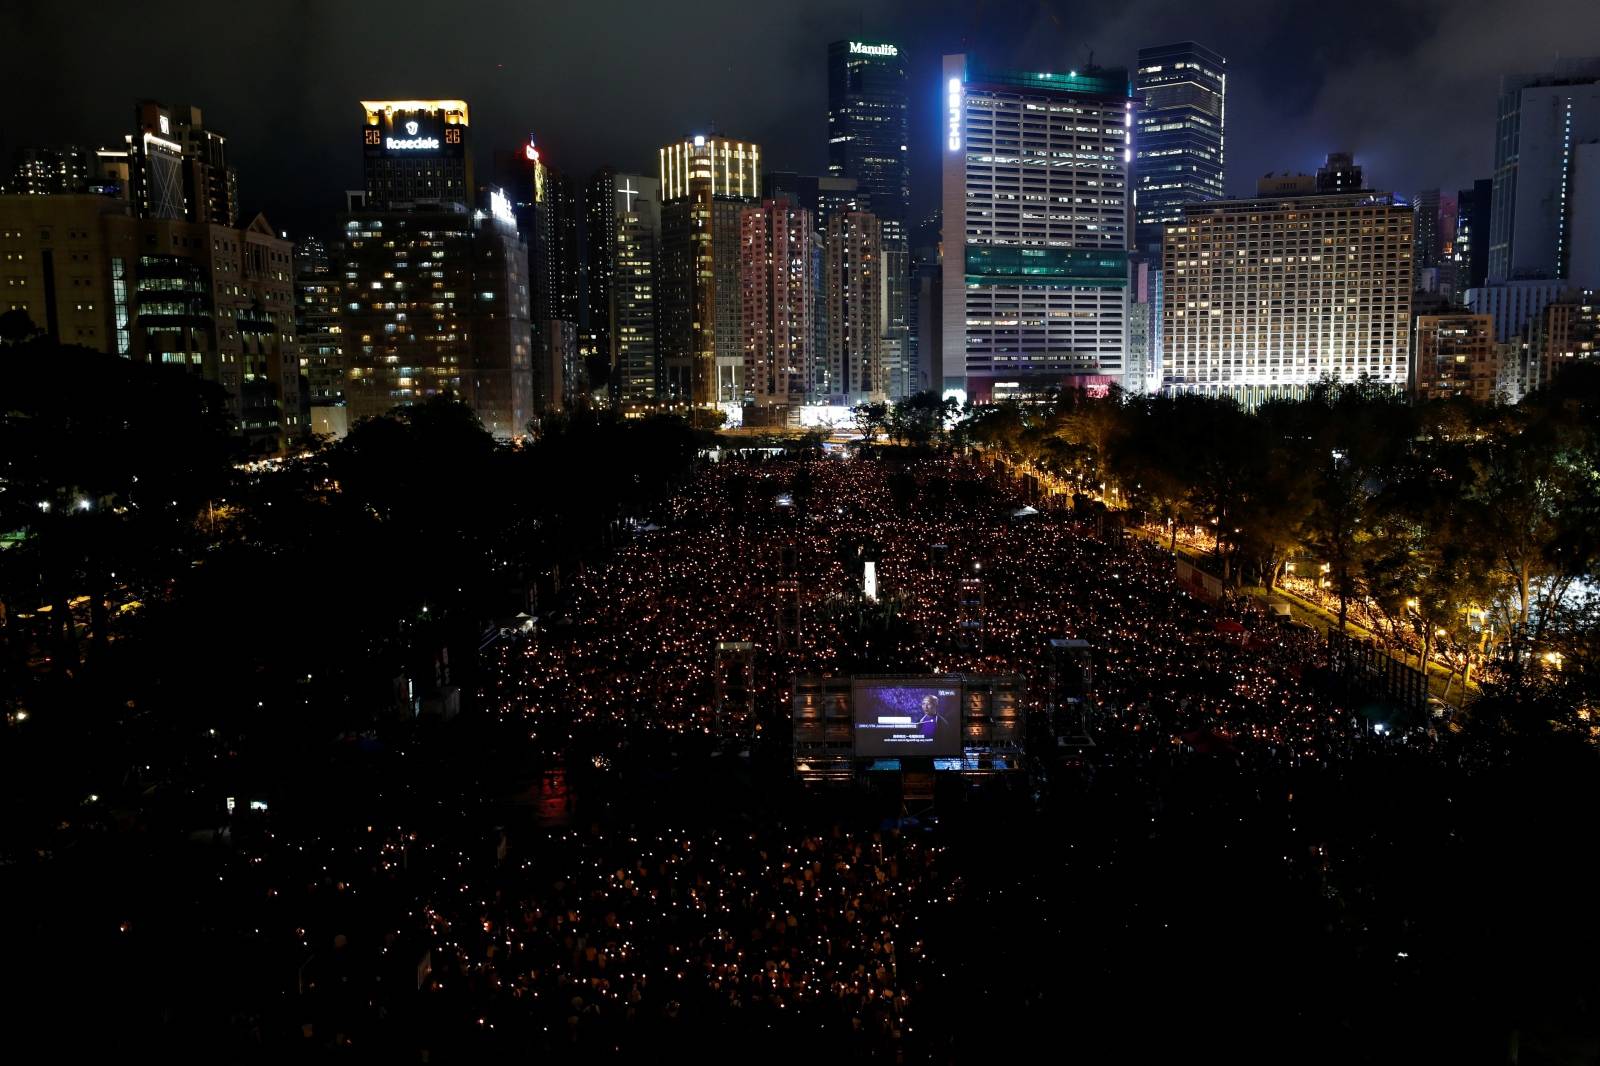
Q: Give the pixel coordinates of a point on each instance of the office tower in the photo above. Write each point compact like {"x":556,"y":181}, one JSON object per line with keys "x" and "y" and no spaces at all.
{"x":856,"y":291}
{"x":1036,"y":227}
{"x":416,"y":153}
{"x":434,"y":294}
{"x":868,"y":140}
{"x":867,"y":125}
{"x":1263,"y":297}
{"x":705,"y":184}
{"x":1425,"y":235}
{"x":1340,"y":173}
{"x":215,"y":300}
{"x":1455,"y":355}
{"x":322,"y":368}
{"x":1471,"y":246}
{"x":778,"y":301}
{"x":1179,"y":146}
{"x":1514,"y":304}
{"x":622,"y":243}
{"x":43,"y":171}
{"x":1545,"y":216}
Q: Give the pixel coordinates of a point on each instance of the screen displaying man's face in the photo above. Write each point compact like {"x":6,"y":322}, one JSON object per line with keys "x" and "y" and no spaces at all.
{"x":907,"y":718}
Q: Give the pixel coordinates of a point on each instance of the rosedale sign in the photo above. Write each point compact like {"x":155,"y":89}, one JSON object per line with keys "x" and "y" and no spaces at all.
{"x":859,"y":49}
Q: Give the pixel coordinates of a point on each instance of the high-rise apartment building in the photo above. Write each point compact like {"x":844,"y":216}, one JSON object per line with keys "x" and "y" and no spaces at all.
{"x":778,"y":302}
{"x":822,"y":195}
{"x":1455,"y":355}
{"x":706,"y":182}
{"x":1568,"y":331}
{"x":1263,"y":297}
{"x":1545,"y":218}
{"x":853,"y":265}
{"x":216,"y":300}
{"x":1179,"y":145}
{"x":868,"y":140}
{"x":1036,"y":229}
{"x":436,"y":303}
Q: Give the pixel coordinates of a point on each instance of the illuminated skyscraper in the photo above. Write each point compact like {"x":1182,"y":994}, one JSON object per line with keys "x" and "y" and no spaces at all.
{"x":705,"y":183}
{"x":1036,"y":227}
{"x":434,"y":296}
{"x":868,"y":139}
{"x":779,"y":302}
{"x":416,"y":152}
{"x":1179,"y":144}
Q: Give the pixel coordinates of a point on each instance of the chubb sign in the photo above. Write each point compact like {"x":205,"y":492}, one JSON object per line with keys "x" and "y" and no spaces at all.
{"x":859,"y":49}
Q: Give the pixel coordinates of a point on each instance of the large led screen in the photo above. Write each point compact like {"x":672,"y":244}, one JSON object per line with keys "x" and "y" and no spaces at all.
{"x":907,"y":718}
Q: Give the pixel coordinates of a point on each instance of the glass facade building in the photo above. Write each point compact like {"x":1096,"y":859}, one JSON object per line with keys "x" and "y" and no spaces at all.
{"x":1179,"y":147}
{"x":868,"y":139}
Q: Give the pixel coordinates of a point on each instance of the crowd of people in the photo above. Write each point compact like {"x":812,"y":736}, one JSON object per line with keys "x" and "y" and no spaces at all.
{"x":476,"y":926}
{"x":762,"y":551}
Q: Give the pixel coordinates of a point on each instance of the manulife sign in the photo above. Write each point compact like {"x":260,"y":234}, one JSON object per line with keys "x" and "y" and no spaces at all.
{"x":990,"y":264}
{"x":884,"y":50}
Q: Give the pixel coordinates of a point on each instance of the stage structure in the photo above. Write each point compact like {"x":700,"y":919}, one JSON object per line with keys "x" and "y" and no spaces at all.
{"x":849,"y":728}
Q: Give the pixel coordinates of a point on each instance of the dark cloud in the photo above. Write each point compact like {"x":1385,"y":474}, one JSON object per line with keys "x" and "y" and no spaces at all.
{"x":1408,"y":85}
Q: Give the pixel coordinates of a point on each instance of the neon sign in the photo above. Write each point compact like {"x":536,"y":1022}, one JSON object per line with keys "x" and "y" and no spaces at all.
{"x":500,"y":207}
{"x":953,"y":111}
{"x":530,"y":153}
{"x":410,"y":144}
{"x":859,"y":49}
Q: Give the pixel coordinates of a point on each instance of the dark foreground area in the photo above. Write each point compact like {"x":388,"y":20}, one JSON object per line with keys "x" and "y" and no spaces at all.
{"x":576,"y":866}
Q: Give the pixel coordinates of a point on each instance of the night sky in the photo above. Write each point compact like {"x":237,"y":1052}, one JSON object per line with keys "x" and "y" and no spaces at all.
{"x":1409,"y":85}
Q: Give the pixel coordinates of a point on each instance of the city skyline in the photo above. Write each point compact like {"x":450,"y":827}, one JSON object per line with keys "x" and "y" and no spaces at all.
{"x":1289,"y":105}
